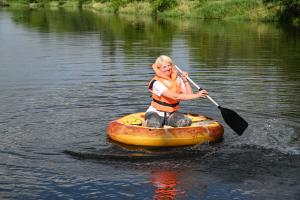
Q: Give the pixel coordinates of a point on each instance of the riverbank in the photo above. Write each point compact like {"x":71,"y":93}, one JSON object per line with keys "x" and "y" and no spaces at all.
{"x":253,"y":10}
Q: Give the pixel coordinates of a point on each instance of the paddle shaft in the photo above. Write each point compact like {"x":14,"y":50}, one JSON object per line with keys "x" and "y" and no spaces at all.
{"x":234,"y":121}
{"x":197,"y":86}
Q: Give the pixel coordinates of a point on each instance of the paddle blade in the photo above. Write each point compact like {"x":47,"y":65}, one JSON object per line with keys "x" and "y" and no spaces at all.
{"x":236,"y":122}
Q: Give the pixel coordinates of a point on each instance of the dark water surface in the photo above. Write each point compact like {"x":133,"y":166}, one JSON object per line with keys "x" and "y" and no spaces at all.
{"x":64,"y":75}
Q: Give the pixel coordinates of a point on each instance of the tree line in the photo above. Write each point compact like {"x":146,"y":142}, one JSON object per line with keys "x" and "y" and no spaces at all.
{"x":264,"y":10}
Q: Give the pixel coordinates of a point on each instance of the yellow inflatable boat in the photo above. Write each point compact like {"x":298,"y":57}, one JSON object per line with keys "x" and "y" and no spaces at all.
{"x":129,"y":130}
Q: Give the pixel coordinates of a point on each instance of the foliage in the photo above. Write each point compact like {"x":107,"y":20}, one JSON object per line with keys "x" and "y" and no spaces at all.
{"x":227,"y":8}
{"x":162,"y":5}
{"x":141,"y":8}
{"x":116,"y":4}
{"x":288,"y":8}
{"x":265,"y":10}
{"x":82,"y":2}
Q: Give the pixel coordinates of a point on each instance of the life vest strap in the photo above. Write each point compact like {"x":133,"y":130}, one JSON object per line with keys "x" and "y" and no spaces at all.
{"x":165,"y":104}
{"x":151,"y":84}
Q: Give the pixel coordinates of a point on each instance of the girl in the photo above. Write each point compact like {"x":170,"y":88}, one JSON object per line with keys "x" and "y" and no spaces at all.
{"x":168,"y":88}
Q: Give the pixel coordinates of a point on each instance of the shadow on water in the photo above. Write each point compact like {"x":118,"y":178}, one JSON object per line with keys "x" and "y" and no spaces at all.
{"x":213,"y":155}
{"x":121,"y":152}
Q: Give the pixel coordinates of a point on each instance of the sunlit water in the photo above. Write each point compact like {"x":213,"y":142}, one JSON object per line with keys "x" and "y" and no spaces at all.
{"x":64,"y":75}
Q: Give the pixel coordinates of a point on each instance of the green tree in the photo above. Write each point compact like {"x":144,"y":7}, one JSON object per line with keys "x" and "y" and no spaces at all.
{"x":288,"y":8}
{"x":162,"y":5}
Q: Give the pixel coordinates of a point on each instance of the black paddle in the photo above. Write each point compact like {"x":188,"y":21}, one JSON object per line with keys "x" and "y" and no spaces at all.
{"x":234,"y":121}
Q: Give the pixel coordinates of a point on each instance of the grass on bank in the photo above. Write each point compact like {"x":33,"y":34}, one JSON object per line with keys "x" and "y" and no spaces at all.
{"x":132,"y":8}
{"x":258,"y":10}
{"x":204,"y":9}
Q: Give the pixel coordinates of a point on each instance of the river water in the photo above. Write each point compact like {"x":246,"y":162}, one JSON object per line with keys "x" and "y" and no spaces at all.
{"x":65,"y":74}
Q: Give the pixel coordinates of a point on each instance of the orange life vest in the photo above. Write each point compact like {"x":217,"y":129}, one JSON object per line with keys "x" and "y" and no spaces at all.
{"x":173,"y":83}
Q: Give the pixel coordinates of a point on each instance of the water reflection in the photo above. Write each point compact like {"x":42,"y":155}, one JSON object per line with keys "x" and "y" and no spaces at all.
{"x":218,"y":43}
{"x":166,"y":184}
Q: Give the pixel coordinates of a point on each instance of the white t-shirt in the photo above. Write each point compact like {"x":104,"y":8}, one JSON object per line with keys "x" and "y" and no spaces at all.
{"x":158,"y":89}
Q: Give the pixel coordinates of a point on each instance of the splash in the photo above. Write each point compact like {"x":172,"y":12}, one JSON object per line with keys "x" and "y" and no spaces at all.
{"x":273,"y":134}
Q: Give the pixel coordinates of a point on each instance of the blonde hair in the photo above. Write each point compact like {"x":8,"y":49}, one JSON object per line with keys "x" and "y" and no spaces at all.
{"x":163,"y":58}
